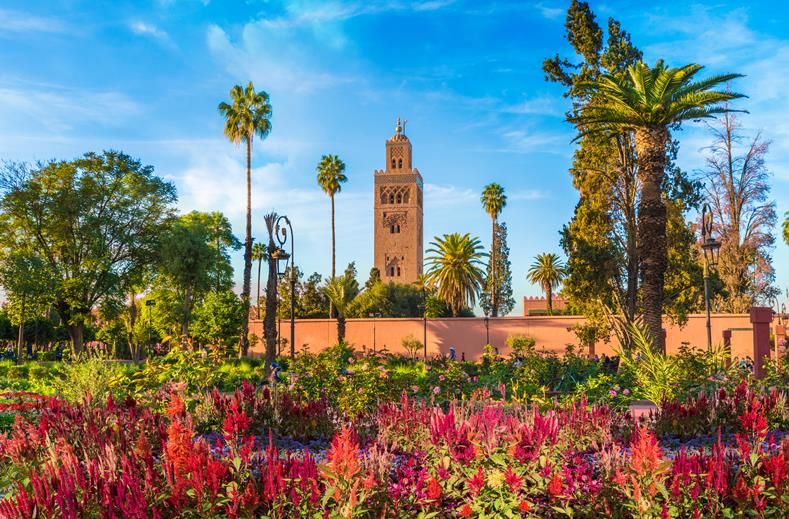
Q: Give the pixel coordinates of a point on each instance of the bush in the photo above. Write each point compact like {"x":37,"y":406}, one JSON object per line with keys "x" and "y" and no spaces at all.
{"x":90,"y":377}
{"x":412,"y":345}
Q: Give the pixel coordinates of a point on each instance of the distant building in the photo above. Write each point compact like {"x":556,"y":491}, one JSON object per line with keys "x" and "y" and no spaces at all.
{"x":398,"y":213}
{"x":539,"y":305}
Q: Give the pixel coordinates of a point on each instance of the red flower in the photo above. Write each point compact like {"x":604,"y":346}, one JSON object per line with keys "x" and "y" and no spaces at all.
{"x":524,"y":506}
{"x":343,"y":455}
{"x":512,"y":480}
{"x":647,"y":456}
{"x":434,"y":489}
{"x":477,"y":482}
{"x":556,"y":485}
{"x":177,"y":408}
{"x":465,"y":511}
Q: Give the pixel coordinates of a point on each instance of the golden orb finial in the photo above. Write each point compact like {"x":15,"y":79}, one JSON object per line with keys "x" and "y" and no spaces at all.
{"x":398,"y":128}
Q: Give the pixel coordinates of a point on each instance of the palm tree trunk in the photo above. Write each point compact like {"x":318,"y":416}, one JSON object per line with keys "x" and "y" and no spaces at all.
{"x":549,"y":299}
{"x":494,"y":298}
{"x":652,"y":249}
{"x":257,"y":301}
{"x":340,"y":329}
{"x":333,"y":250}
{"x":270,"y":321}
{"x":244,"y":339}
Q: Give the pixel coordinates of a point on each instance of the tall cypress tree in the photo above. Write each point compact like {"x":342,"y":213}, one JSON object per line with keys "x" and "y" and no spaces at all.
{"x":502,"y":277}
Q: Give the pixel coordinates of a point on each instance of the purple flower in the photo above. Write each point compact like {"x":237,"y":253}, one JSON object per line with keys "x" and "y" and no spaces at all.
{"x":612,"y":393}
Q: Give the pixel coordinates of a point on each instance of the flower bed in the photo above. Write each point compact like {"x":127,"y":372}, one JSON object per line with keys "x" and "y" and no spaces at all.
{"x":482,"y":457}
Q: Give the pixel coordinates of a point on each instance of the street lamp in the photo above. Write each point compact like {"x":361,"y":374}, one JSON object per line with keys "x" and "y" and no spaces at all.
{"x":487,"y":330}
{"x":281,"y":227}
{"x":710,"y":247}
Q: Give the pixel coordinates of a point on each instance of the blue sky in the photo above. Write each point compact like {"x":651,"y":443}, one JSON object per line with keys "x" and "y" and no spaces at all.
{"x":146,"y":77}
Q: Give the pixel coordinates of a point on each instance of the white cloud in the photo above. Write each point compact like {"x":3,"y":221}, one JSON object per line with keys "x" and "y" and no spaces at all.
{"x":17,"y":21}
{"x":148,"y":30}
{"x":545,"y":105}
{"x":272,"y":54}
{"x":48,"y":109}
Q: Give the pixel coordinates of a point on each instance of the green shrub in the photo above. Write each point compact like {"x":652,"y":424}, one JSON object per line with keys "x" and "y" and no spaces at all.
{"x":90,"y":376}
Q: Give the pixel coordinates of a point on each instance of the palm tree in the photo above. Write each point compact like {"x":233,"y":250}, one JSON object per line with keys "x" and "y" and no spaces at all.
{"x":647,"y":101}
{"x":493,"y":200}
{"x":340,"y":292}
{"x":247,"y":116}
{"x":547,"y":271}
{"x":259,"y":253}
{"x":454,"y":268}
{"x":331,"y":176}
{"x":270,"y":319}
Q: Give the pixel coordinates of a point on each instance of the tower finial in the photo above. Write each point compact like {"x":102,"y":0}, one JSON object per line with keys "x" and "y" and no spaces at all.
{"x":398,"y":129}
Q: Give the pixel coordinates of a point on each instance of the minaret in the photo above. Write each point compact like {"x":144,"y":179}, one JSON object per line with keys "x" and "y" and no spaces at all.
{"x":398,"y":213}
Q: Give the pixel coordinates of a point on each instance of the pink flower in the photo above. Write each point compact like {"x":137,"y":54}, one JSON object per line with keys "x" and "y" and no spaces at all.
{"x":442,"y":378}
{"x":626,"y":392}
{"x":612,"y":393}
{"x":436,"y":390}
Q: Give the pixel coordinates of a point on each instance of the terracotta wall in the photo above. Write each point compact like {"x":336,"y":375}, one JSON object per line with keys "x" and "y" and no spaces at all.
{"x":469,"y":335}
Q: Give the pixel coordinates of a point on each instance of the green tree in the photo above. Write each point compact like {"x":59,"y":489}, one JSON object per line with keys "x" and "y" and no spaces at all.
{"x":647,"y":100}
{"x":93,"y":222}
{"x":454,"y":269}
{"x":500,"y":273}
{"x":600,"y":240}
{"x":248,"y":114}
{"x":341,"y":292}
{"x":193,"y":259}
{"x":493,"y":201}
{"x":331,"y":177}
{"x":313,"y":302}
{"x":28,"y":291}
{"x":259,"y":254}
{"x":548,"y":272}
{"x":217,"y":318}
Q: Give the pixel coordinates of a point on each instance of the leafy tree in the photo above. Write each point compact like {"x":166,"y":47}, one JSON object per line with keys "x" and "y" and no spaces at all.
{"x":93,"y":222}
{"x":194,"y":259}
{"x":313,"y":302}
{"x":259,"y":254}
{"x":28,"y":290}
{"x":341,"y":292}
{"x":217,"y":318}
{"x":600,"y":241}
{"x":453,"y":268}
{"x":331,"y":177}
{"x":548,"y":272}
{"x":374,"y":277}
{"x":493,"y":201}
{"x":738,"y":187}
{"x":500,"y":274}
{"x":283,"y":292}
{"x":249,"y":114}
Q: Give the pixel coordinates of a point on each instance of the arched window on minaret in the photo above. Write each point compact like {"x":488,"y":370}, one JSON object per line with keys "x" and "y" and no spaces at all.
{"x":391,"y":198}
{"x":399,"y":163}
{"x":393,"y":163}
{"x":399,"y":198}
{"x":398,"y":271}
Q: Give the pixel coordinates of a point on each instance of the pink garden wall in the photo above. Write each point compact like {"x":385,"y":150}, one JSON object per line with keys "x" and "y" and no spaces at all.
{"x":468,"y":335}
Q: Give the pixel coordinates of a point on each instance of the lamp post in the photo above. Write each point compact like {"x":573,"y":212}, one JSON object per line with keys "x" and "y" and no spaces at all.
{"x":281,"y":227}
{"x":710,"y":247}
{"x":424,"y":322}
{"x":487,"y":330}
{"x":373,"y":315}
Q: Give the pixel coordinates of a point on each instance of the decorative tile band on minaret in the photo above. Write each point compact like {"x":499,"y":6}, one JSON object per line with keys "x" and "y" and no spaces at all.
{"x":398,"y":212}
